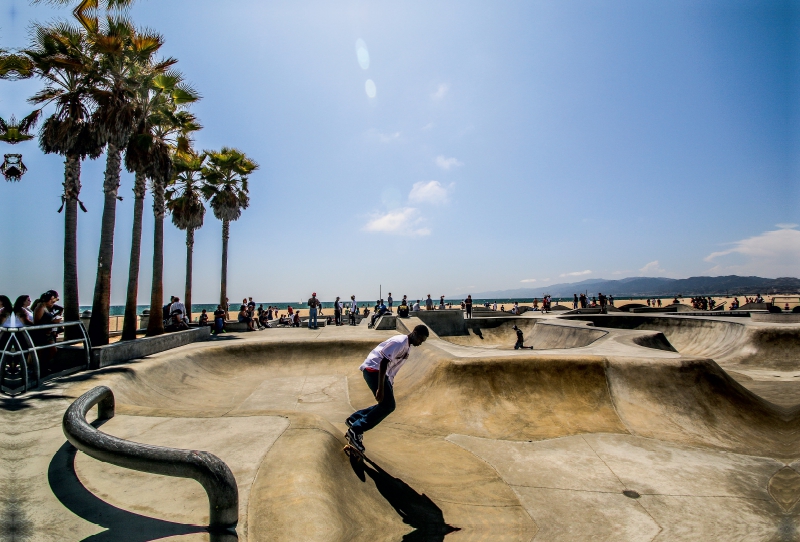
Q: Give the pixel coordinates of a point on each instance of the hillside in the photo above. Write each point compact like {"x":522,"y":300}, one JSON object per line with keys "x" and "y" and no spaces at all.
{"x":657,"y":286}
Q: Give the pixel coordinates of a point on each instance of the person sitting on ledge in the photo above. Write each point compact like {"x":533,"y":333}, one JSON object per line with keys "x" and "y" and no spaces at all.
{"x":380,"y":310}
{"x":244,"y":318}
{"x":402,"y":310}
{"x":203,"y":318}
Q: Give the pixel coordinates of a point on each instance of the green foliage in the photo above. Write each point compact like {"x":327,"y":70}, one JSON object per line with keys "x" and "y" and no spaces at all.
{"x":226,"y":173}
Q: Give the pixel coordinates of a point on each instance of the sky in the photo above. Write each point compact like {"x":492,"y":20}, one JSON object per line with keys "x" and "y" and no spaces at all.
{"x":450,"y":147}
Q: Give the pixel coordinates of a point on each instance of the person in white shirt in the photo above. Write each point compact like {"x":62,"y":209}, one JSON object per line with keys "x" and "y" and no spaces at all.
{"x":178,"y":306}
{"x":353,"y":310}
{"x":416,"y":306}
{"x":379,"y":370}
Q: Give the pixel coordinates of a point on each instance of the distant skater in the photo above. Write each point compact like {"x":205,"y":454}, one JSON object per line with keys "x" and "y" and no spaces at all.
{"x":520,"y":340}
{"x":379,"y":370}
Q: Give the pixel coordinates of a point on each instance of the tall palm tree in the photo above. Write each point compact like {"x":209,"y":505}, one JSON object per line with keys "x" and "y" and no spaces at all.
{"x":226,"y":173}
{"x":123,"y":53}
{"x":163,"y":124}
{"x":184,"y":201}
{"x":61,"y":56}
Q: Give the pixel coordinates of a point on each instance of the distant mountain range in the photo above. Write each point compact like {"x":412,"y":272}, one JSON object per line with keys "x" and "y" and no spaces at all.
{"x":656,"y":286}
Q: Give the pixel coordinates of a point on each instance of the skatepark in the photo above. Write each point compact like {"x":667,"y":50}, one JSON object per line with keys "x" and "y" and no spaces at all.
{"x":614,"y":427}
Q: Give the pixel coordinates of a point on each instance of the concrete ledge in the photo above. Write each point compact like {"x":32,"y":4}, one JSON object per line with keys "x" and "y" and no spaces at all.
{"x":776,"y":318}
{"x":387,"y":321}
{"x":103,"y":356}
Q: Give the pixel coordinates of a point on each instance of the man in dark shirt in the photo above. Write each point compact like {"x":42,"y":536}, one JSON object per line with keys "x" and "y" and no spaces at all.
{"x":520,"y":340}
{"x":219,"y":320}
{"x":313,"y":304}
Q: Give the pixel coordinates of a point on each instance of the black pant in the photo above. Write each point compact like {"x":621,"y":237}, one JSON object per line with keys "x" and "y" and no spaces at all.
{"x":367,"y":418}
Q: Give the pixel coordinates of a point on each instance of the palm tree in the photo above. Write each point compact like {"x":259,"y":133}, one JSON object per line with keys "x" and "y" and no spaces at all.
{"x":184,"y":201}
{"x":124,"y":52}
{"x":162,"y":126}
{"x":61,"y":56}
{"x":226,"y":174}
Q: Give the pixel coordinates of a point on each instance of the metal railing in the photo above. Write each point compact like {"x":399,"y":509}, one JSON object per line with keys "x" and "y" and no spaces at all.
{"x":209,"y":470}
{"x":14,"y":348}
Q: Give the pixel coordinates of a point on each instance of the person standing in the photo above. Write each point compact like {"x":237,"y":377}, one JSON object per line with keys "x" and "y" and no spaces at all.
{"x":313,"y":304}
{"x":389,"y":301}
{"x":602,"y":300}
{"x":574,"y":301}
{"x":441,"y":302}
{"x":337,"y":311}
{"x":353,"y":310}
{"x":379,"y":370}
{"x":429,"y":303}
{"x":219,"y":320}
{"x":468,"y":306}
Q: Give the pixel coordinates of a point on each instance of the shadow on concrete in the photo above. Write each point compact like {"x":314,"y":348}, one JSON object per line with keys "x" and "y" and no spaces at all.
{"x":120,"y":525}
{"x":416,"y":509}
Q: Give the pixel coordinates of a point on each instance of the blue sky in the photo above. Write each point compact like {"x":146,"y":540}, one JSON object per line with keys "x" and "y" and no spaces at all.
{"x":449,"y":147}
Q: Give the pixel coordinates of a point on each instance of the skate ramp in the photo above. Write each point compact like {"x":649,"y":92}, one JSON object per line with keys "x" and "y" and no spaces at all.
{"x":498,"y":332}
{"x":454,"y":452}
{"x":732,"y":343}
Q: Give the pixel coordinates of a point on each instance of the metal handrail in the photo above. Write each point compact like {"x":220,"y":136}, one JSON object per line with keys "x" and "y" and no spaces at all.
{"x":209,"y":470}
{"x":20,"y":351}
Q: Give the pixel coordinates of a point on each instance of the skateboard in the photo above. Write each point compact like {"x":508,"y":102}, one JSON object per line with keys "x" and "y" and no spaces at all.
{"x":353,"y":453}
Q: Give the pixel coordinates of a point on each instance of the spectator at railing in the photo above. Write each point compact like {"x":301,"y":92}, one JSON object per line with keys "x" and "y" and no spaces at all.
{"x":6,"y":310}
{"x":46,"y":312}
{"x":21,"y":311}
{"x":6,"y":315}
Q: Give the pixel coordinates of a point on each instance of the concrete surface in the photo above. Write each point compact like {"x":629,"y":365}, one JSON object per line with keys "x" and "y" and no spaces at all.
{"x":639,"y":428}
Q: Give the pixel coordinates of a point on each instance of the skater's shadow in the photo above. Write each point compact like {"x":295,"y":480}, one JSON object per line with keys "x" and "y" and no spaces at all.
{"x":416,"y":509}
{"x":120,"y":525}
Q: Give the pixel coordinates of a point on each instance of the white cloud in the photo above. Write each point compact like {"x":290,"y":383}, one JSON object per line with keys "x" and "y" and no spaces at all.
{"x":528,"y":280}
{"x":447,"y":163}
{"x":774,"y":253}
{"x":428,"y":126}
{"x":383,"y":137}
{"x":652,"y":267}
{"x":441,"y":91}
{"x":576,"y":273}
{"x":405,"y":221}
{"x":431,"y":192}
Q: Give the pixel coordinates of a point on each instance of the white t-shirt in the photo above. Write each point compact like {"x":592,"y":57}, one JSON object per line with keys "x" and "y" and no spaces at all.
{"x":394,"y":349}
{"x":178,"y":306}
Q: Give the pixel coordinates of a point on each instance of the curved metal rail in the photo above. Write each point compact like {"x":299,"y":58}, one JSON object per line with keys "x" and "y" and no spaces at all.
{"x":212,"y":473}
{"x":33,"y":350}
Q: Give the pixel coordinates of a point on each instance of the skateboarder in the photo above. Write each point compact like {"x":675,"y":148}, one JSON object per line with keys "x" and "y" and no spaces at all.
{"x":379,"y":370}
{"x":520,"y":341}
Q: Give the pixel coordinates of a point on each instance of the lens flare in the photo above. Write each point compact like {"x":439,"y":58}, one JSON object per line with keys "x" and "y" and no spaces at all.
{"x":369,"y":86}
{"x":362,"y":54}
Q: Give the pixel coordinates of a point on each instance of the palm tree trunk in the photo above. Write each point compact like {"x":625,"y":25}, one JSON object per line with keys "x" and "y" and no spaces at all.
{"x":98,"y":327}
{"x":223,"y":291}
{"x":129,"y":326}
{"x":155,"y":325}
{"x":72,"y":189}
{"x":188,"y":290}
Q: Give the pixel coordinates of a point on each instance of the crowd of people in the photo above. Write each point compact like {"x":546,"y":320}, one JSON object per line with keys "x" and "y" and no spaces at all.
{"x":25,"y":312}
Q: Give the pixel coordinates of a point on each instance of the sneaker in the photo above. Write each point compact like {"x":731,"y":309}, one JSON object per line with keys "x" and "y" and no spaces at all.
{"x":348,"y":422}
{"x":355,"y":440}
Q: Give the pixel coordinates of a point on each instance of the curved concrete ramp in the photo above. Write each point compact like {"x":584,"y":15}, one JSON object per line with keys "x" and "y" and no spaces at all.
{"x":608,"y":441}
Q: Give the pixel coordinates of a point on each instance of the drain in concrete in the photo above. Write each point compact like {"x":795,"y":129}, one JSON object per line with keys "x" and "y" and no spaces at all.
{"x":631,"y":493}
